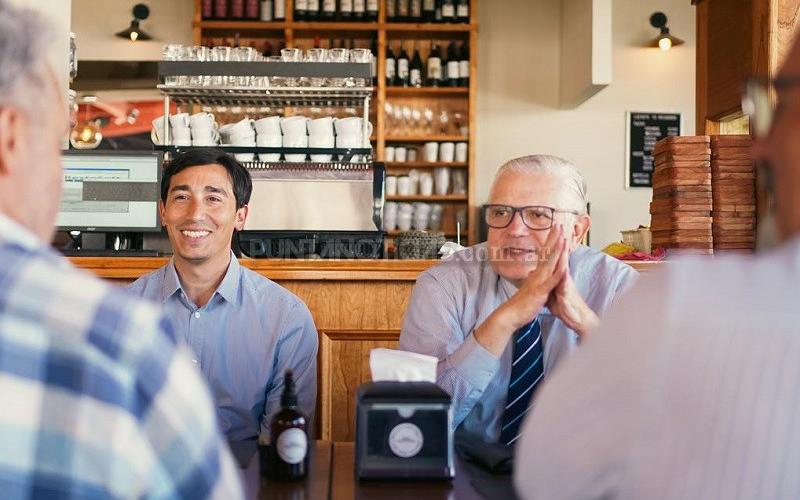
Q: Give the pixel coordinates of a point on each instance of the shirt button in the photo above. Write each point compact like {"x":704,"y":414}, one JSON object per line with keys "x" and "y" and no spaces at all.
{"x":197,"y":314}
{"x":194,"y":361}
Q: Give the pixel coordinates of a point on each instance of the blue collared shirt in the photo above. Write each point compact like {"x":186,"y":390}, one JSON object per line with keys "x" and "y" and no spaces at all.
{"x":99,"y":399}
{"x":243,"y":339}
{"x":453,"y":298}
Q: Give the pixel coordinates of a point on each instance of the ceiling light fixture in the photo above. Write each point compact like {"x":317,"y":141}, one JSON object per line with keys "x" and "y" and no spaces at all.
{"x":664,"y":40}
{"x":134,"y":32}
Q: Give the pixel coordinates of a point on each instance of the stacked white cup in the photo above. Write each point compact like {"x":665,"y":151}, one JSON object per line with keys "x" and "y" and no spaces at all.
{"x":240,"y":133}
{"x":320,"y":135}
{"x":390,"y":216}
{"x":349,"y":134}
{"x":405,"y":212}
{"x":295,"y":135}
{"x":204,"y":129}
{"x":268,"y":135}
{"x":421,"y":213}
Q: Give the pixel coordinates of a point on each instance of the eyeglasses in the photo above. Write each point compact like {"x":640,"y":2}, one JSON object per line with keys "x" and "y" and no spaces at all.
{"x":756,"y":101}
{"x":534,"y":217}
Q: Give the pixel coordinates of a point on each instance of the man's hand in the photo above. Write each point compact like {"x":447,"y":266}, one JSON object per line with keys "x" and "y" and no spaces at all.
{"x":567,"y":304}
{"x":519,"y":310}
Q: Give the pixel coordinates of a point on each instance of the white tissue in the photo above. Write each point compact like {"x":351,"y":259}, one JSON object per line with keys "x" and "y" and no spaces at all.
{"x":402,"y":366}
{"x":449,"y":248}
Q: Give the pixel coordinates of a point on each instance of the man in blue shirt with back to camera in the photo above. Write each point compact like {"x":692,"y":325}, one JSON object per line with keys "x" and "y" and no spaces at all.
{"x":244,"y":330}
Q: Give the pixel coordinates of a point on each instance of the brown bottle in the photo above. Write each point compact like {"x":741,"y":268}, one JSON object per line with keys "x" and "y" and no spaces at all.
{"x":289,"y":451}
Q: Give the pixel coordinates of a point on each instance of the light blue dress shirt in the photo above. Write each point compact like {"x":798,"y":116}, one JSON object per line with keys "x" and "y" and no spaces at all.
{"x":453,"y":298}
{"x":243,"y":340}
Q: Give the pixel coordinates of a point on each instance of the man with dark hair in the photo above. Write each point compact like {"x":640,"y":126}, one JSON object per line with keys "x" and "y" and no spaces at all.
{"x":244,"y":330}
{"x":100,"y":399}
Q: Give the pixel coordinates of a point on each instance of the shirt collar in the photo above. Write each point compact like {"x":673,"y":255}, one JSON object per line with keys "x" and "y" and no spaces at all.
{"x":13,"y":232}
{"x":228,"y":289}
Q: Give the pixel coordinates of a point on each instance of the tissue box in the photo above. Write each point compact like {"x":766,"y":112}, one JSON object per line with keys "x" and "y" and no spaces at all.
{"x":403,"y":431}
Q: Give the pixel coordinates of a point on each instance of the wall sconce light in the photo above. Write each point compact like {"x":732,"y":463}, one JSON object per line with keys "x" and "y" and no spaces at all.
{"x":133,"y":32}
{"x":664,"y":40}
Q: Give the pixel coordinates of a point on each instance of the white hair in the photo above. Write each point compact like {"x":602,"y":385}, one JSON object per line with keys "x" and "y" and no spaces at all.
{"x":24,"y":40}
{"x":573,"y":184}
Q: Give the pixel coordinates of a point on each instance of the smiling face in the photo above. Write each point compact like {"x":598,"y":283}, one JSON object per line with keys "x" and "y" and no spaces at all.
{"x":512,"y":250}
{"x":200,"y":214}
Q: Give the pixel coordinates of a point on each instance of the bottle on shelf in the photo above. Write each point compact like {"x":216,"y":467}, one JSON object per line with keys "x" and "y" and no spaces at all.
{"x":288,"y":458}
{"x":437,"y":12}
{"x":359,"y":10}
{"x":448,"y":11}
{"x":251,"y":10}
{"x":434,"y":78}
{"x":402,"y":11}
{"x":416,"y":70}
{"x":207,"y":9}
{"x":266,"y":10}
{"x":402,"y":67}
{"x":221,"y":9}
{"x":428,"y":11}
{"x":280,"y":10}
{"x":267,"y":49}
{"x":452,"y":66}
{"x":391,"y":11}
{"x":328,"y":10}
{"x":463,"y":65}
{"x":300,"y":8}
{"x":462,"y":11}
{"x":312,"y":10}
{"x":372,"y":11}
{"x":317,"y":43}
{"x":236,"y":9}
{"x":391,"y":66}
{"x":346,"y":10}
{"x":415,"y":11}
{"x":374,"y":63}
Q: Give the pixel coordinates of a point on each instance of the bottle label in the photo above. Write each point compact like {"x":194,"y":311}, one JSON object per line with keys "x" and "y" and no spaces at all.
{"x":434,"y":68}
{"x":346,"y":6}
{"x":402,"y":8}
{"x":266,"y":10}
{"x":463,"y":10}
{"x":329,"y":5}
{"x":429,"y":5}
{"x":372,"y":5}
{"x":402,"y":69}
{"x":313,"y":5}
{"x":358,"y":6}
{"x":292,"y":446}
{"x":406,"y":440}
{"x":391,"y":8}
{"x":416,"y":8}
{"x":463,"y":69}
{"x":416,"y":77}
{"x":374,"y":66}
{"x":300,"y":4}
{"x":452,"y":70}
{"x":280,"y":9}
{"x":448,"y":11}
{"x":390,"y":69}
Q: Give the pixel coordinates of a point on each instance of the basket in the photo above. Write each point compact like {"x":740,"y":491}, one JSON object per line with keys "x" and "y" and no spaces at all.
{"x":419,"y":244}
{"x":641,"y":239}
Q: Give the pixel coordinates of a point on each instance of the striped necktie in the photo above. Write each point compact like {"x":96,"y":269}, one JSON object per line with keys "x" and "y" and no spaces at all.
{"x":527,"y":370}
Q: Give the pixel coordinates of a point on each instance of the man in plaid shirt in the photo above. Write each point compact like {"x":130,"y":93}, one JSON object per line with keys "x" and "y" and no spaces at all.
{"x":98,"y":398}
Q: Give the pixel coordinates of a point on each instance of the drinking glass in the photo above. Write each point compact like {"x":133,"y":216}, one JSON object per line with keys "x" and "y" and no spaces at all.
{"x":291,"y":55}
{"x":359,"y":56}
{"x":337,"y":56}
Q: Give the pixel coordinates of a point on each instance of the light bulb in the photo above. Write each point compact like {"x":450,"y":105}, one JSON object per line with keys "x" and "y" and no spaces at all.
{"x":664,"y":43}
{"x":134,"y":35}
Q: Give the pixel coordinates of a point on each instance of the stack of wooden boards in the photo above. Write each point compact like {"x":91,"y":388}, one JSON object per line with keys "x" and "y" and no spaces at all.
{"x":703,"y":194}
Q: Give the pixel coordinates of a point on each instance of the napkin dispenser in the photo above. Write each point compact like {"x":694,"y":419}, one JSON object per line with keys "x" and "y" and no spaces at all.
{"x":404,"y":431}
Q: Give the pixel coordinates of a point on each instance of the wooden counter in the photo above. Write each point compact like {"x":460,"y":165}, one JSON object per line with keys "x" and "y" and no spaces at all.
{"x":357,"y":305}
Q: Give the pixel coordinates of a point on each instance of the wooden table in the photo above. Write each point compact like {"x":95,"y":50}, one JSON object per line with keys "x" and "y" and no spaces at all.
{"x":332,"y":475}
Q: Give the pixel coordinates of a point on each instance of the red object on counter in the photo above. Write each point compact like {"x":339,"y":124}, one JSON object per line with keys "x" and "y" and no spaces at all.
{"x":657,"y":254}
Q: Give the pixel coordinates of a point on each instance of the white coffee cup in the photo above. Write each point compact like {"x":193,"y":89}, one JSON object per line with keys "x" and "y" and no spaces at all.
{"x":270,"y":125}
{"x":320,"y":135}
{"x":426,"y":184}
{"x":461,"y":152}
{"x":294,"y":125}
{"x":403,"y":185}
{"x":202,"y":120}
{"x":295,"y":140}
{"x":181,"y":136}
{"x":269,"y":141}
{"x":390,"y":216}
{"x":205,"y":136}
{"x":352,"y":127}
{"x":421,"y":213}
{"x":389,"y":153}
{"x":400,"y":154}
{"x":179,"y":120}
{"x":158,"y":130}
{"x":391,"y":185}
{"x":413,"y":178}
{"x":431,"y":150}
{"x":404,"y":217}
{"x":411,"y":154}
{"x":246,"y":141}
{"x":446,"y":151}
{"x":441,"y":180}
{"x":242,"y":128}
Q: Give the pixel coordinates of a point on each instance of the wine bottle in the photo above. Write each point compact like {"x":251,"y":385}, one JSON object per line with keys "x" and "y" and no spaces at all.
{"x":312,"y":10}
{"x":208,"y":9}
{"x":251,"y":9}
{"x":317,"y":42}
{"x":346,"y":10}
{"x":402,"y":11}
{"x":434,"y":67}
{"x":374,"y":62}
{"x":236,"y":9}
{"x":391,"y":67}
{"x":372,"y":10}
{"x":452,"y":65}
{"x":221,"y":9}
{"x":359,"y":10}
{"x":428,"y":11}
{"x":328,"y":10}
{"x":402,"y":67}
{"x":280,"y":10}
{"x":289,"y":450}
{"x":462,"y":11}
{"x":391,"y":11}
{"x":448,"y":11}
{"x":463,"y":66}
{"x":266,"y":10}
{"x":437,"y":13}
{"x":300,"y":8}
{"x":415,"y":11}
{"x":415,"y":73}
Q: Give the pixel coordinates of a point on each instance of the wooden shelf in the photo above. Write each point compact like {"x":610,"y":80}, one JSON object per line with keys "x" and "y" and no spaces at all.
{"x":447,"y":234}
{"x":318,"y":26}
{"x":427,"y":138}
{"x":420,"y":164}
{"x":244,"y":25}
{"x":428,"y":27}
{"x":426,"y":91}
{"x":421,"y":28}
{"x":433,"y":197}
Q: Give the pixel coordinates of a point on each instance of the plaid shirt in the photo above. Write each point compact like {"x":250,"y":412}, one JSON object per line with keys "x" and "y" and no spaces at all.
{"x":98,"y":399}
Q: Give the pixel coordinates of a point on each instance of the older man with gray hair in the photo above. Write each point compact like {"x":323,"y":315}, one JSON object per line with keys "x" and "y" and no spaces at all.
{"x":100,"y":400}
{"x":500,"y":316}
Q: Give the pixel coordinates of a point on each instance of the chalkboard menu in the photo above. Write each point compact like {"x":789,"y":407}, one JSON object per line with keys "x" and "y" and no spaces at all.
{"x":644,"y":131}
